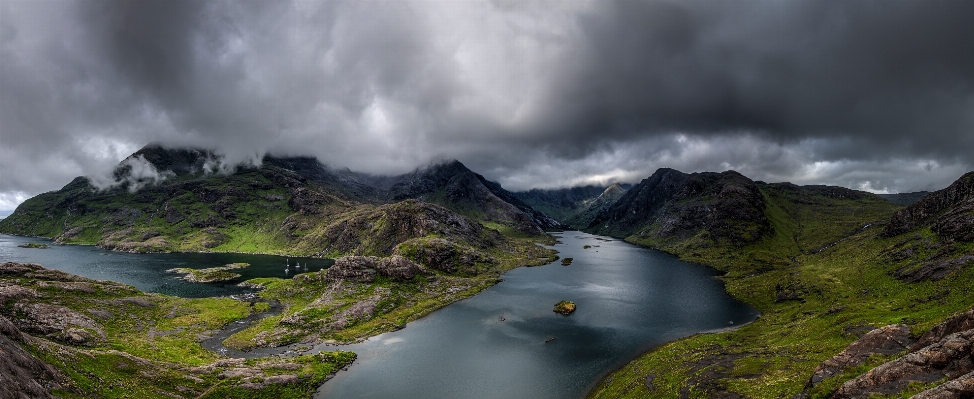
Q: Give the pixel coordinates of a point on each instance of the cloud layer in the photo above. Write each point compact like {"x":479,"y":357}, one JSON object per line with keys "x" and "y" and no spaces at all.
{"x":868,"y":95}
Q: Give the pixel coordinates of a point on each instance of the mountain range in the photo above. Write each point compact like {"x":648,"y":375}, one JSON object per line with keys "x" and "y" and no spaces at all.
{"x":830,"y":268}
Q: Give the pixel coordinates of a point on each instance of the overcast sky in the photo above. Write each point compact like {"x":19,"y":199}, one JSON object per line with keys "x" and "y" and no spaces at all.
{"x":872,"y":95}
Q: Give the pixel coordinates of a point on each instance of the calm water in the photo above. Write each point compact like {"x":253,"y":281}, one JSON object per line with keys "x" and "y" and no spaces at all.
{"x":492,"y":345}
{"x":147,"y":272}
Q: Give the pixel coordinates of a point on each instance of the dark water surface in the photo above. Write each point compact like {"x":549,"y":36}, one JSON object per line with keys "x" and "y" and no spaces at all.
{"x":492,"y":345}
{"x":147,"y":272}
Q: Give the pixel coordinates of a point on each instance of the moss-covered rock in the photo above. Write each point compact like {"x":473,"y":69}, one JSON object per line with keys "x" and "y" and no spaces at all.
{"x":565,"y":307}
{"x":209,"y":275}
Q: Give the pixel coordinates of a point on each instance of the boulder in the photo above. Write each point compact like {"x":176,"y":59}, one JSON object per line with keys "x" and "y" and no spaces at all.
{"x":13,"y":293}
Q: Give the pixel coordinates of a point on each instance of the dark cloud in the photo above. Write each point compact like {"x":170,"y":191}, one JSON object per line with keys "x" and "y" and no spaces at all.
{"x":871,"y":95}
{"x":888,"y":72}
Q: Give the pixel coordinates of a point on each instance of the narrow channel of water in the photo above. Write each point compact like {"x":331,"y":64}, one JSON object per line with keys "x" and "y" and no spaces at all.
{"x":506,"y":342}
{"x":147,"y":272}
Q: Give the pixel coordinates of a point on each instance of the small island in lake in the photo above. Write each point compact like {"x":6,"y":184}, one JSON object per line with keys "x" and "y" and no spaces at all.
{"x":209,"y":275}
{"x":34,"y":245}
{"x":567,"y":261}
{"x":565,"y":307}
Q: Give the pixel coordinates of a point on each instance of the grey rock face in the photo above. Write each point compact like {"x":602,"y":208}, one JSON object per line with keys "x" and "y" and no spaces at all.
{"x":950,"y":358}
{"x":21,"y":374}
{"x":886,"y":340}
{"x":363,"y":269}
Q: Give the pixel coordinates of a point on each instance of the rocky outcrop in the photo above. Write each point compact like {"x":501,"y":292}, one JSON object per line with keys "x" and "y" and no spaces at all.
{"x":956,"y":324}
{"x":950,"y":358}
{"x":933,"y":270}
{"x":949,"y":212}
{"x":724,"y":207}
{"x":398,"y":268}
{"x":209,"y":275}
{"x":21,"y":374}
{"x":57,"y":322}
{"x":961,"y":387}
{"x":20,"y":303}
{"x":944,"y":353}
{"x":888,"y":340}
{"x":565,"y":307}
{"x":13,"y":293}
{"x":363,"y":269}
{"x":443,"y":255}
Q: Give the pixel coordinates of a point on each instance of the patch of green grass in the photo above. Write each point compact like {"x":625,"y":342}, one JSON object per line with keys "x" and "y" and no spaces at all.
{"x":843,"y":277}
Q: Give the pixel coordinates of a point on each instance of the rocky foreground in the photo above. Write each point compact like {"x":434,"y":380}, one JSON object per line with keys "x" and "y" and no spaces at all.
{"x":67,"y":336}
{"x":938,"y":364}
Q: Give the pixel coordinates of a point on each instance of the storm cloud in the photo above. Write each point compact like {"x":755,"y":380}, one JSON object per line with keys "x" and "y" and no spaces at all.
{"x":864,"y":94}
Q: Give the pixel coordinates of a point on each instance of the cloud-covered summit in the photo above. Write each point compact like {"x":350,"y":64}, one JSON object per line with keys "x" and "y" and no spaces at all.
{"x":864,"y":94}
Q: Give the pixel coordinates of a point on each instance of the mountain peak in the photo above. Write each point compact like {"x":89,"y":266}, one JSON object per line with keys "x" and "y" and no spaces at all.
{"x":672,"y":205}
{"x":176,"y":160}
{"x":612,"y":190}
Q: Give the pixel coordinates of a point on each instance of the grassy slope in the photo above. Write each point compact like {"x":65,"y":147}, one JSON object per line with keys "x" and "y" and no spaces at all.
{"x":842,"y":287}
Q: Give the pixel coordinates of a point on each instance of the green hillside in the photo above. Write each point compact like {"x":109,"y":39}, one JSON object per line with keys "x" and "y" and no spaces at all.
{"x":829,"y":270}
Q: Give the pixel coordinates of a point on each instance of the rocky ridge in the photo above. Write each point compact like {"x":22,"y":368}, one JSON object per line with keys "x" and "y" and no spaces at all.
{"x":948,"y":216}
{"x":950,"y":212}
{"x":452,"y":185}
{"x":186,"y":200}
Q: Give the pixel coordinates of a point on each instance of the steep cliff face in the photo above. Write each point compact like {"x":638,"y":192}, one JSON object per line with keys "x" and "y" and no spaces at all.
{"x":937,"y":233}
{"x":949,"y":213}
{"x":670,"y":205}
